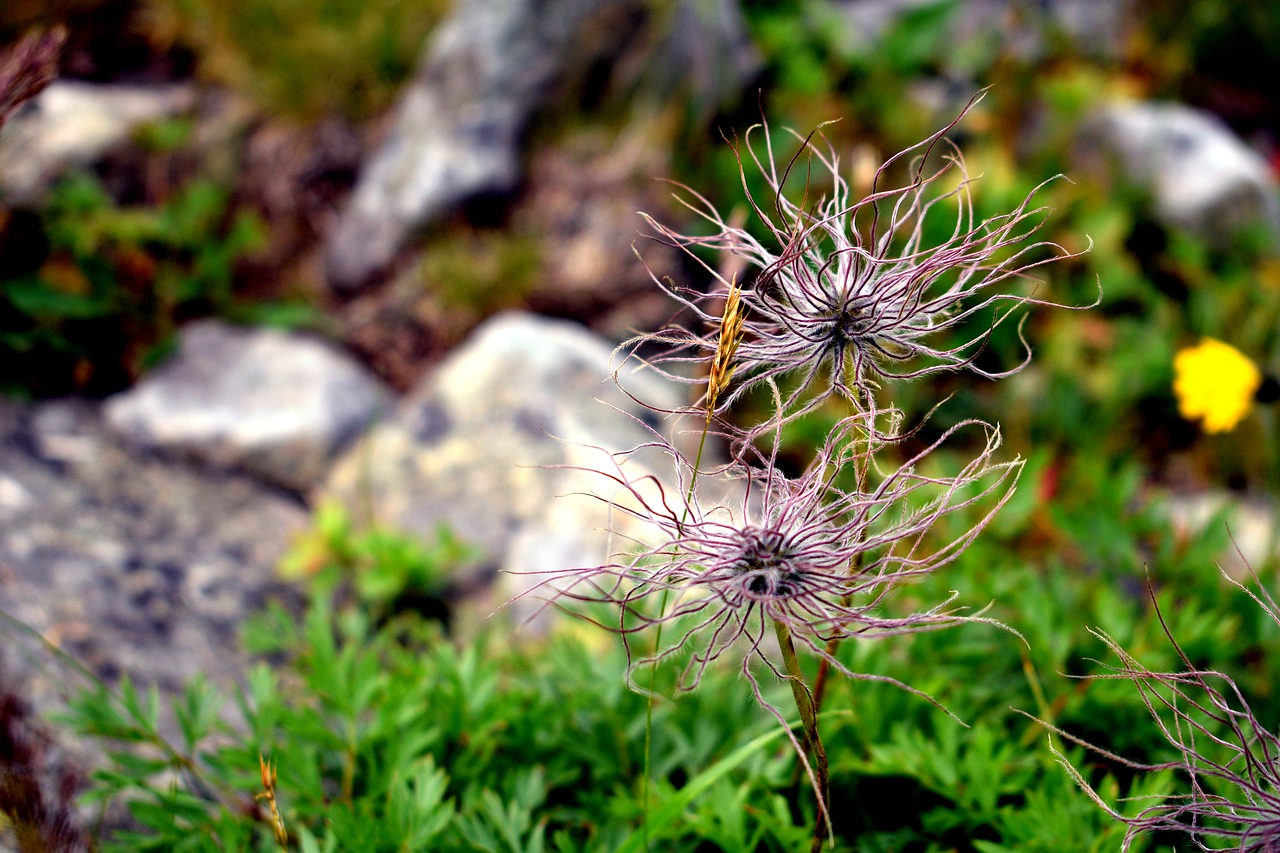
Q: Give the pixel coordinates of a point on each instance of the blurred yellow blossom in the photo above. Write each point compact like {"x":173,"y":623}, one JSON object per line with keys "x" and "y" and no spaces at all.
{"x":1216,"y":383}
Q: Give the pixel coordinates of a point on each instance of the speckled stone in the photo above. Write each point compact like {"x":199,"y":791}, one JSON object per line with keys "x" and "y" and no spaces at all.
{"x":276,"y":404}
{"x":132,"y":566}
{"x":492,"y":445}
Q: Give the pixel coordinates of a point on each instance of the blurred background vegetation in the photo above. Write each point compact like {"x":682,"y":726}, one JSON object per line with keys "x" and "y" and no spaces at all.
{"x":95,"y":279}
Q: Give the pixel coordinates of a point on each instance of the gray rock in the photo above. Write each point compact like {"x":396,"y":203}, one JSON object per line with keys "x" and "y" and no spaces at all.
{"x":486,"y":69}
{"x":134,"y":565}
{"x":469,"y":448}
{"x":130,"y":566}
{"x":1200,"y":176}
{"x":277,"y":404}
{"x":73,"y":124}
{"x":1022,"y":29}
{"x":1251,"y":525}
{"x":456,"y":129}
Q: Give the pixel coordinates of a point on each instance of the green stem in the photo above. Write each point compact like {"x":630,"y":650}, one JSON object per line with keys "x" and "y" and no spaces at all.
{"x":648,"y":730}
{"x":855,"y":565}
{"x":811,"y":742}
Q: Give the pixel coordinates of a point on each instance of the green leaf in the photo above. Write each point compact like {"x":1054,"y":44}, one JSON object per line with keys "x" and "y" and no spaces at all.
{"x":40,"y":300}
{"x":672,"y":808}
{"x":198,"y":712}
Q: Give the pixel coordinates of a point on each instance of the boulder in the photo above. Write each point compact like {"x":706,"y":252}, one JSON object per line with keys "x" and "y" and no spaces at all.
{"x":133,"y":565}
{"x":75,"y":124}
{"x":456,"y":128}
{"x":456,"y":132}
{"x":128,"y":566}
{"x":277,"y":404}
{"x":493,"y":445}
{"x":1200,"y":176}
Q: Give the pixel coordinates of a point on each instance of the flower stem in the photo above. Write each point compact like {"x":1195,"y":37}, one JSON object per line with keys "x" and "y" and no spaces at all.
{"x":811,"y":743}
{"x":833,"y":645}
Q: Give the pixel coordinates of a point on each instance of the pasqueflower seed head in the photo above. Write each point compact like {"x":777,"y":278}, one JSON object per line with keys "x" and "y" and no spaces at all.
{"x":810,"y":552}
{"x":1229,"y":760}
{"x":850,"y":291}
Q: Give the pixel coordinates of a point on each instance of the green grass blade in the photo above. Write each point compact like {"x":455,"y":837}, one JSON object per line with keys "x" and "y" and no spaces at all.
{"x":675,"y":806}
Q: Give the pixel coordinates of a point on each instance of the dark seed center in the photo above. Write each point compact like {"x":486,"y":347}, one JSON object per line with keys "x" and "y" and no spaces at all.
{"x":784,"y":584}
{"x":849,"y":325}
{"x":766,"y":566}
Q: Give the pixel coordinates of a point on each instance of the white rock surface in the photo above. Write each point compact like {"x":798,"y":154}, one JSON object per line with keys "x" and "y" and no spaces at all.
{"x":276,"y":404}
{"x":72,"y":123}
{"x":1199,"y":174}
{"x":472,"y":448}
{"x":1251,"y":526}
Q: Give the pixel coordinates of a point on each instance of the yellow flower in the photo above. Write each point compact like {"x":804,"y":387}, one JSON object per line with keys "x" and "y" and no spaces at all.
{"x":1216,"y":383}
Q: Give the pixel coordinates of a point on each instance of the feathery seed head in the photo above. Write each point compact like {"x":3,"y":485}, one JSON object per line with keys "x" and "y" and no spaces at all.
{"x":848,"y":292}
{"x":1230,"y":759}
{"x":820,"y":557}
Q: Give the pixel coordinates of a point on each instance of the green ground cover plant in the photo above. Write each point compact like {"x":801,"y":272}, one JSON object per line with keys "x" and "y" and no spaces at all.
{"x":303,"y":61}
{"x":395,"y":736}
{"x":103,"y":300}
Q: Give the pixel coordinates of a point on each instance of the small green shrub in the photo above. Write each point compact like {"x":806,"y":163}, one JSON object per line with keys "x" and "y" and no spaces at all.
{"x":388,"y":570}
{"x":102,"y":302}
{"x":388,"y":735}
{"x":393,"y":738}
{"x":303,"y":60}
